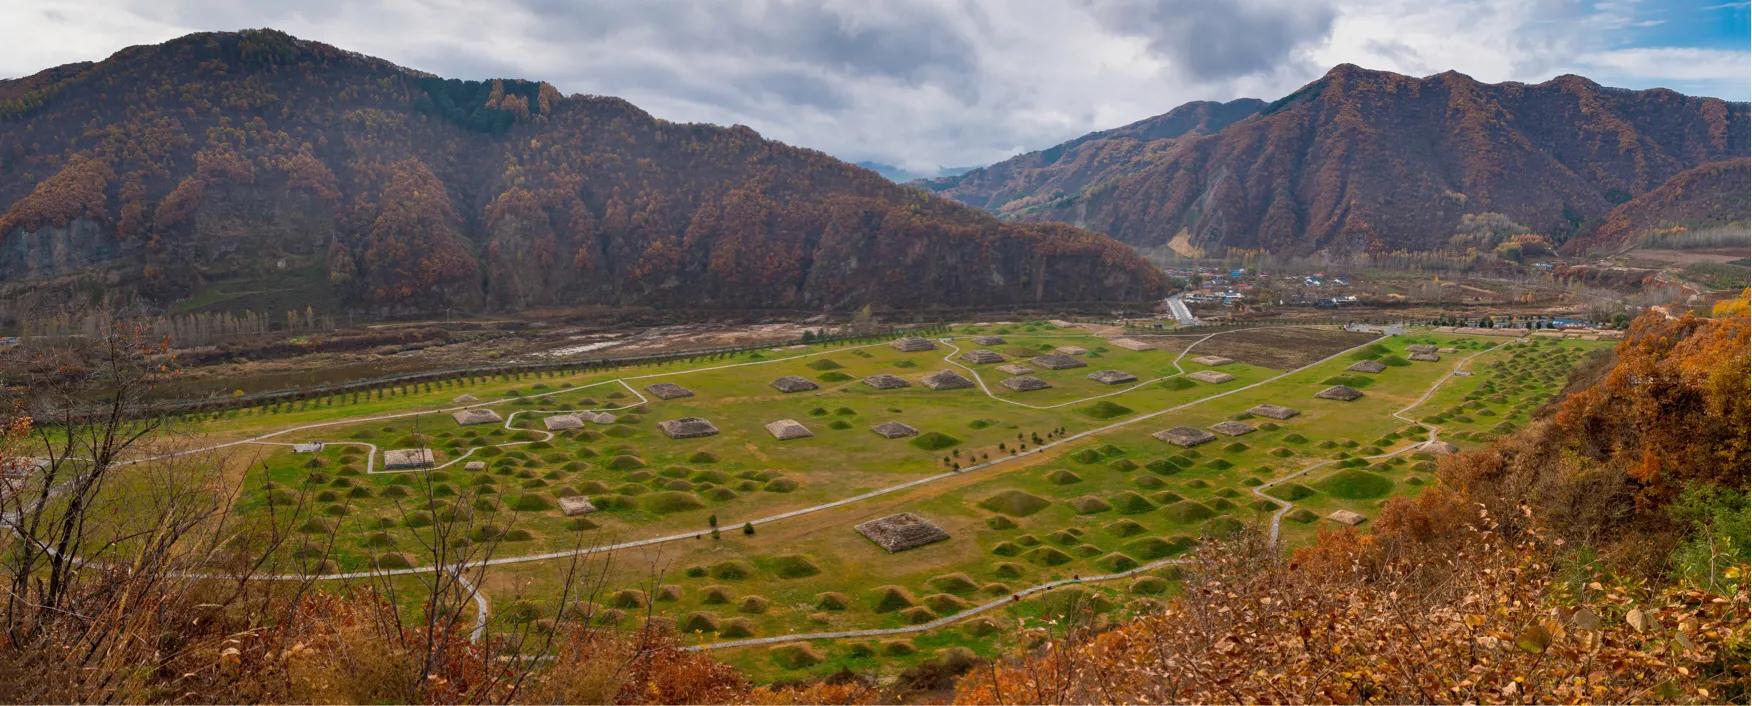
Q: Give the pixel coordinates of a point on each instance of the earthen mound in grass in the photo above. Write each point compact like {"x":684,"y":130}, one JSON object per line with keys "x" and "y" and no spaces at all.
{"x":1221,"y":527}
{"x":1048,"y":556}
{"x":898,"y":648}
{"x":1130,"y":503}
{"x":699,"y":621}
{"x":1000,"y":522}
{"x":794,"y":566}
{"x":1116,"y":562}
{"x":1353,"y":484}
{"x":887,"y":599}
{"x":1090,"y":504}
{"x":1074,"y":600}
{"x":626,"y":462}
{"x":1153,"y":548}
{"x":1187,"y":512}
{"x":628,"y":598}
{"x":917,"y":615}
{"x":831,"y":600}
{"x":1126,"y":528}
{"x":669,"y":501}
{"x":393,"y":560}
{"x":1007,"y":570}
{"x":795,"y":655}
{"x":1015,"y":503}
{"x":754,"y":604}
{"x":1063,"y":477}
{"x":954,"y":583}
{"x":714,"y":595}
{"x":946,"y":604}
{"x":1104,"y":409}
{"x":736,"y":627}
{"x":1148,"y":585}
{"x":732,"y":570}
{"x":934,"y":441}
{"x":980,"y":627}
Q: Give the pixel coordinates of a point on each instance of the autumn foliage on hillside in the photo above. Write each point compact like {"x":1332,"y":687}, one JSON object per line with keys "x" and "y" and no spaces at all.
{"x":232,"y":157}
{"x":1373,"y":161}
{"x":1597,"y":556}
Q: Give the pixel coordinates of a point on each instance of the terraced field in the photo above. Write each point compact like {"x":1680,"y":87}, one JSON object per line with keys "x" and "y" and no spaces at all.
{"x":747,"y":542}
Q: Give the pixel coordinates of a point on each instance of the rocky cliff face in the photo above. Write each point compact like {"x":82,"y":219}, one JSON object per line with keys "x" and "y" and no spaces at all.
{"x":1365,"y":160}
{"x":229,"y":163}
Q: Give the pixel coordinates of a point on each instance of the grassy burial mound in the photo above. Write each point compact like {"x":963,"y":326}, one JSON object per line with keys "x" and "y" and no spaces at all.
{"x":1353,"y":484}
{"x":1015,"y":503}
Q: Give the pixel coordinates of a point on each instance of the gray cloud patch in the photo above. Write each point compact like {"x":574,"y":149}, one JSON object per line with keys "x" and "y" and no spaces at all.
{"x":1219,"y":40}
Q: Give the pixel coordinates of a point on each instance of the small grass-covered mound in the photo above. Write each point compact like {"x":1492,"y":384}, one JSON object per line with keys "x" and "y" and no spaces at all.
{"x":393,"y":560}
{"x":1105,"y":409}
{"x":737,"y":627}
{"x":1049,"y":556}
{"x":832,"y":600}
{"x":1063,"y":477}
{"x":1149,"y":482}
{"x":1221,"y":527}
{"x":780,"y":485}
{"x":825,"y":364}
{"x":1352,"y":484}
{"x":731,"y":570}
{"x":1302,"y":515}
{"x":1148,"y":585}
{"x":834,"y":376}
{"x":702,"y":457}
{"x":887,"y":599}
{"x":669,"y":501}
{"x":1187,"y":512}
{"x":1220,"y":504}
{"x":954,"y":583}
{"x":1007,"y":570}
{"x":626,"y":462}
{"x":898,"y":648}
{"x":1116,"y":562}
{"x":1072,"y":600}
{"x":1000,"y":522}
{"x":699,"y":621}
{"x":1015,"y":503}
{"x":1178,"y":383}
{"x":754,"y":604}
{"x":1130,"y":503}
{"x":1124,"y":465}
{"x":917,"y":615}
{"x":795,"y":655}
{"x":794,"y":566}
{"x":1164,"y":466}
{"x":1087,"y":456}
{"x":1126,"y":528}
{"x":1294,"y":438}
{"x":980,"y":627}
{"x":629,"y":598}
{"x":946,"y":604}
{"x":1291,"y":492}
{"x":1006,"y":549}
{"x":934,"y":441}
{"x":1153,"y":548}
{"x":1089,"y":504}
{"x":1395,"y":361}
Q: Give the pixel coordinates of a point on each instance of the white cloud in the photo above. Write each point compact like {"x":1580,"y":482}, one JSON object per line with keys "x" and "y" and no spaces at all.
{"x":916,"y":83}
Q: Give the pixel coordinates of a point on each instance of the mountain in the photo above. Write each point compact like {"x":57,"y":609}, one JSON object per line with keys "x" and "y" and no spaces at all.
{"x":257,"y":169}
{"x":1020,"y":184}
{"x":902,"y":174}
{"x":1362,"y":161}
{"x":1713,"y":195}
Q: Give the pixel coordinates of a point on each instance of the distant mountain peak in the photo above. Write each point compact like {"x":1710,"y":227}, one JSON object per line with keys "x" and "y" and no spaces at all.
{"x":1367,"y":160}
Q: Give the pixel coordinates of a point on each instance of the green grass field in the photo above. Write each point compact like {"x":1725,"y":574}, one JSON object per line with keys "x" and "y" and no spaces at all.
{"x":1031,"y":487}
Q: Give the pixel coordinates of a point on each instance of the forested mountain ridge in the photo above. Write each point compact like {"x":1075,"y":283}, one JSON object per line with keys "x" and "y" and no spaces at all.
{"x":224,"y":165}
{"x":1026,"y":182}
{"x":1371,"y":161}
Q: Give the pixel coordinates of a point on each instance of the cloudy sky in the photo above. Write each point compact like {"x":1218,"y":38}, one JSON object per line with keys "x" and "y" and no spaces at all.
{"x":929,"y":83}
